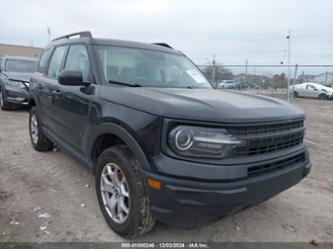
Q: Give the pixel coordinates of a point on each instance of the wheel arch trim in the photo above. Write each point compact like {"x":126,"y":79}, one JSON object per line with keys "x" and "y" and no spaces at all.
{"x":124,"y":135}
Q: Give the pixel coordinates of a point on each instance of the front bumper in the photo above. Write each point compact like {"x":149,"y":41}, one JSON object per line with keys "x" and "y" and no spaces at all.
{"x":16,"y":95}
{"x":188,"y":203}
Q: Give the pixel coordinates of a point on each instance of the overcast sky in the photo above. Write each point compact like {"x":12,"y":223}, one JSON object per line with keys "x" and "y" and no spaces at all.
{"x":233,"y":30}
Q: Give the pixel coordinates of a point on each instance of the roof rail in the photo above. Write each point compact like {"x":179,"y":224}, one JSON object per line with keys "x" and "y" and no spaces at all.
{"x":81,"y":34}
{"x":163,"y":44}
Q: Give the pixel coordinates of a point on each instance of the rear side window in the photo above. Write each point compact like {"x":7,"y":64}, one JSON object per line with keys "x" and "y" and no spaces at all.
{"x":43,"y":60}
{"x":55,"y":63}
{"x":77,"y":60}
{"x":310,"y":87}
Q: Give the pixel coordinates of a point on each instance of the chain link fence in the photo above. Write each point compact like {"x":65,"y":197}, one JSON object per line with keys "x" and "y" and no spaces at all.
{"x":268,"y":79}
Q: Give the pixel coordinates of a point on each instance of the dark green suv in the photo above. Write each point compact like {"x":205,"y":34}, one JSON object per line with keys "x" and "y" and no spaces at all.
{"x":162,"y":142}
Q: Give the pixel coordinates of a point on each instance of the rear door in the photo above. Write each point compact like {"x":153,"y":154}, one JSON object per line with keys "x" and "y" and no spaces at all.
{"x":38,"y":84}
{"x":51,"y":95}
{"x":300,"y":89}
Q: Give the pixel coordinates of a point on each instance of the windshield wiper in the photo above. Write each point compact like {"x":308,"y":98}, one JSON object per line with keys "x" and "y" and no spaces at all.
{"x":124,"y":83}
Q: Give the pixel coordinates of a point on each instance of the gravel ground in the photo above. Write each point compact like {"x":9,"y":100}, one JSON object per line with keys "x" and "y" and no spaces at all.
{"x":54,"y":185}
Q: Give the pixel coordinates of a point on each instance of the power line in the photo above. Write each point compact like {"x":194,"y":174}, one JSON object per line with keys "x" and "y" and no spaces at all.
{"x":267,"y":65}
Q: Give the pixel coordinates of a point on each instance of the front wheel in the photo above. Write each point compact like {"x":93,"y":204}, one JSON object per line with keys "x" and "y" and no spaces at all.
{"x":122,"y":194}
{"x":323,"y":96}
{"x":296,"y":95}
{"x":4,"y":105}
{"x":38,"y":140}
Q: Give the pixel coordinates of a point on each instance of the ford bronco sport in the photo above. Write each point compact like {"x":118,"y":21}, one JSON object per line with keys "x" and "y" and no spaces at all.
{"x":162,"y":143}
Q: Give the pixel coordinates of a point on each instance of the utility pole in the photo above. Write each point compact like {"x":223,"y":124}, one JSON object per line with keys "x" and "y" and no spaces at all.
{"x":302,"y":77}
{"x":289,"y":71}
{"x":49,"y":33}
{"x":326,"y":76}
{"x":260,"y":82}
{"x":294,"y":82}
{"x":246,"y":66}
{"x":213,"y":71}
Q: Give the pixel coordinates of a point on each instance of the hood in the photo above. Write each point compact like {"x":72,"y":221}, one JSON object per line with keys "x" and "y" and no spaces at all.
{"x":202,"y":104}
{"x":25,"y":77}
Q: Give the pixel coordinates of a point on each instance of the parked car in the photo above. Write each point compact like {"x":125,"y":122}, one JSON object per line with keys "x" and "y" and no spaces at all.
{"x":253,"y":85}
{"x":313,"y":90}
{"x":228,"y":84}
{"x":162,"y":142}
{"x":15,"y":73}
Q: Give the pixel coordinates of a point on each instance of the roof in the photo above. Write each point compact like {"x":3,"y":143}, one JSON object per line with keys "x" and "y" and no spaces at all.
{"x":322,"y":74}
{"x":19,"y":50}
{"x":308,"y":82}
{"x":19,"y":46}
{"x":110,"y":42}
{"x":20,"y":58}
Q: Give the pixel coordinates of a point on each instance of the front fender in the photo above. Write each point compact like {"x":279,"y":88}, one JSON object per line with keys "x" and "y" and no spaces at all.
{"x":114,"y":129}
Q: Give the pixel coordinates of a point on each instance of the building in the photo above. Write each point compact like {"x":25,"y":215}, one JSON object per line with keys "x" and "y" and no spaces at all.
{"x":19,"y":50}
{"x":324,"y":78}
{"x":305,"y":78}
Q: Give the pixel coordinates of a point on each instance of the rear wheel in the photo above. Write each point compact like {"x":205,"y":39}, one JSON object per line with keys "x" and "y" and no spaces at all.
{"x":122,"y":193}
{"x":38,"y":140}
{"x":4,"y":105}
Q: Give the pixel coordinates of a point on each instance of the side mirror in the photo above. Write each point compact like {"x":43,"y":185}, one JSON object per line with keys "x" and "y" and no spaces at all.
{"x":71,"y":78}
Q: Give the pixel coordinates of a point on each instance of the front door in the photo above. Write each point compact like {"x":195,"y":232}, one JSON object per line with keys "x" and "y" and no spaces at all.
{"x":75,"y":100}
{"x":311,"y":91}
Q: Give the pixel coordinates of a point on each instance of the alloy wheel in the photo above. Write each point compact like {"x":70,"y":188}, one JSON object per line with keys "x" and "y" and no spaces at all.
{"x":114,"y":192}
{"x":34,"y":128}
{"x":1,"y":100}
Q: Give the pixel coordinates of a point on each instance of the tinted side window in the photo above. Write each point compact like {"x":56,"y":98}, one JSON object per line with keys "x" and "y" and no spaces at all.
{"x":311,"y":87}
{"x":78,"y":60}
{"x":55,"y":63}
{"x":43,"y":60}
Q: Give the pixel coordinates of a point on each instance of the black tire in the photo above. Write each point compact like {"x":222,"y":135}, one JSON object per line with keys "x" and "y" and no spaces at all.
{"x":323,"y":96}
{"x":4,"y":105}
{"x":139,"y":219}
{"x":296,"y":95}
{"x":42,"y":143}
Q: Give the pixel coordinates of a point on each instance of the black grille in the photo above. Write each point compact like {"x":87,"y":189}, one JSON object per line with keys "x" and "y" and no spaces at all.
{"x":266,"y":129}
{"x":264,"y":139}
{"x":274,"y":166}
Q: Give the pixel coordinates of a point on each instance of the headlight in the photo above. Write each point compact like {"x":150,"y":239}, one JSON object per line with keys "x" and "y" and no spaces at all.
{"x":15,"y":83}
{"x":194,"y":141}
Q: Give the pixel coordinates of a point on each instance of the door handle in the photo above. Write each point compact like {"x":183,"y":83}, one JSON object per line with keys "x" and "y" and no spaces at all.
{"x":39,"y":86}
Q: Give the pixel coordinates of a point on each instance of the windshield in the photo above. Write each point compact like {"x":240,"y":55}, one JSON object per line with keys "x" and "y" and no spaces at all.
{"x":20,"y":66}
{"x":149,"y":68}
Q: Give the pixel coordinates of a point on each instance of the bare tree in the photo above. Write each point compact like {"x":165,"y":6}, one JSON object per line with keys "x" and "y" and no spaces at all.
{"x":221,"y":73}
{"x":280,"y":80}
